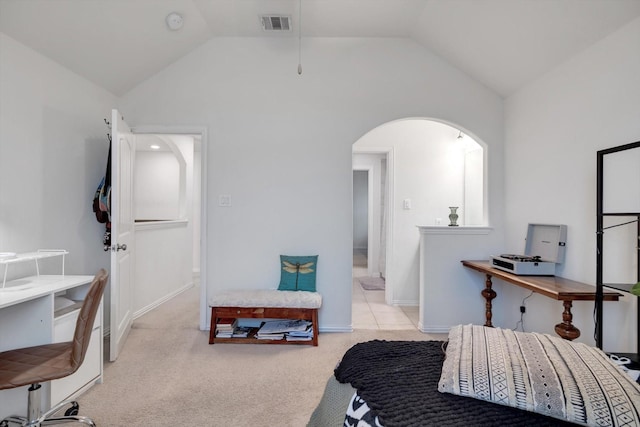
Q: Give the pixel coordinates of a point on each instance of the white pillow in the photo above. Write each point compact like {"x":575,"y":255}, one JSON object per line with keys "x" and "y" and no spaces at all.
{"x":539,"y":373}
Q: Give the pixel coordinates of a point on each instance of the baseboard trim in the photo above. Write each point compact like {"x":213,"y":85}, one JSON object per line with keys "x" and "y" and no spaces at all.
{"x":335,"y":329}
{"x":406,"y":303}
{"x":162,"y":300}
{"x":433,"y":329}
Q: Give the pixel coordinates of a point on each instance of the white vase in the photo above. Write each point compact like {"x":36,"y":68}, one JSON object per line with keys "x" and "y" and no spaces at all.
{"x":453,"y":216}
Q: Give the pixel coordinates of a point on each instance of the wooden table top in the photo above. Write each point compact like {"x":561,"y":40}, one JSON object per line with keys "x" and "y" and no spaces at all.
{"x":554,"y":287}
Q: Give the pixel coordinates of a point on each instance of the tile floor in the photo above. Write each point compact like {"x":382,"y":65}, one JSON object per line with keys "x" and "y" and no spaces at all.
{"x":369,"y":309}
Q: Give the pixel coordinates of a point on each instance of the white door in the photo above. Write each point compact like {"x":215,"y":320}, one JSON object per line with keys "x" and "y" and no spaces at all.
{"x":122,"y":251}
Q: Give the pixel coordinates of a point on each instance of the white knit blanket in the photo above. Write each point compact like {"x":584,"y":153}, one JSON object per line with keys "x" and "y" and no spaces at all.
{"x":539,"y":373}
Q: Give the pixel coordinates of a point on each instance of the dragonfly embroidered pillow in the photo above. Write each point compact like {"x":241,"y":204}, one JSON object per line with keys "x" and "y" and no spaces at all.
{"x":298,"y":273}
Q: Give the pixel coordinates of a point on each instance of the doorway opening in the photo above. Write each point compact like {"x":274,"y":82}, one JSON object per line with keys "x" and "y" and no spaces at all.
{"x":181,"y":209}
{"x":370,"y":212}
{"x":416,"y":169}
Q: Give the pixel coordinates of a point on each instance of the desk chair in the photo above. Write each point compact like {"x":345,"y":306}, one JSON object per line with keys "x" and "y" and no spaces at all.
{"x":34,"y":365}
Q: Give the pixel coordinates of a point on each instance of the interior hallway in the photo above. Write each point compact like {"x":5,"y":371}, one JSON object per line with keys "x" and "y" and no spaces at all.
{"x":369,"y":309}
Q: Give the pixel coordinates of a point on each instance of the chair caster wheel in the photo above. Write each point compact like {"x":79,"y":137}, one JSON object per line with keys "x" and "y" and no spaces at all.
{"x":71,"y":411}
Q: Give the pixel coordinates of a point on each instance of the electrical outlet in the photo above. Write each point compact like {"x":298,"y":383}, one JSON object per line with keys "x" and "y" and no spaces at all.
{"x":523,"y":309}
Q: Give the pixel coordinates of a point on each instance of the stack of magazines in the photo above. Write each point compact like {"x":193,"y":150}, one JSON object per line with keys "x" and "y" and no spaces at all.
{"x":292,"y":330}
{"x":306,"y":335}
{"x":241,"y":331}
{"x":225,"y":327}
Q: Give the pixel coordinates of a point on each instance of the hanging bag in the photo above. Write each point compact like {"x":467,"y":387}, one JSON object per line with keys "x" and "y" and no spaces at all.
{"x":101,"y":216}
{"x":102,"y":202}
{"x":101,"y":199}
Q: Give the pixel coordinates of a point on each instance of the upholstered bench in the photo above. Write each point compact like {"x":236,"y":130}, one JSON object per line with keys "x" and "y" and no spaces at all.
{"x":264,"y":304}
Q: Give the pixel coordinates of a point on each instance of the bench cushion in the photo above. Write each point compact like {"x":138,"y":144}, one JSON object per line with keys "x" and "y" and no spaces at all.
{"x":266,"y":298}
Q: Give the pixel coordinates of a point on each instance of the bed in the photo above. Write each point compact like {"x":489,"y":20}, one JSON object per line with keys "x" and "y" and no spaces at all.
{"x":478,"y":377}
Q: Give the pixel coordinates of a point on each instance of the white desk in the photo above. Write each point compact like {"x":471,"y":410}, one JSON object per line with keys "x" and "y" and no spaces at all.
{"x":28,"y":318}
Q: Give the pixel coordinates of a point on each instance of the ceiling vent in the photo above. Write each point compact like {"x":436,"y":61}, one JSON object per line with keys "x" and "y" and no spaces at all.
{"x":276,"y":22}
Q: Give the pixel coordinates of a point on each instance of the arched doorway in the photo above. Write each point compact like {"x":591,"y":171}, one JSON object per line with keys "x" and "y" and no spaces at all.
{"x":417,"y":168}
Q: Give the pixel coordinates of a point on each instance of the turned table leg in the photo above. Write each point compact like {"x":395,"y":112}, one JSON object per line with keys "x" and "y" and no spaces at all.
{"x":566,"y":329}
{"x":488,"y":293}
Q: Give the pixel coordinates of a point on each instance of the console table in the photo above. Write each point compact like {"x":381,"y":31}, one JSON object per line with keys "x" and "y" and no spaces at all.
{"x":558,"y":288}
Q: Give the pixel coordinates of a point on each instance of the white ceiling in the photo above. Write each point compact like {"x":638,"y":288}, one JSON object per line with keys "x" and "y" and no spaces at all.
{"x":502,"y":43}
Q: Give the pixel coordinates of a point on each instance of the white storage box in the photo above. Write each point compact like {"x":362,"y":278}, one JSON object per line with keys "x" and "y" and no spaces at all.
{"x":544,"y":248}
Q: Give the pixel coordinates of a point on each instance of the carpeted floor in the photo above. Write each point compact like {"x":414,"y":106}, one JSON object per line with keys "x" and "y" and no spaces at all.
{"x":168,"y":375}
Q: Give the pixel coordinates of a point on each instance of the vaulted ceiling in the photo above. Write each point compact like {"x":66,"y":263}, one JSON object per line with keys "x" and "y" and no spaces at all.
{"x":504,"y":44}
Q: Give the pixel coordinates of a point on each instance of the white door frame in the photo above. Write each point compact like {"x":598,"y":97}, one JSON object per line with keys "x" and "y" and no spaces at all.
{"x":202,"y":131}
{"x":388,"y":206}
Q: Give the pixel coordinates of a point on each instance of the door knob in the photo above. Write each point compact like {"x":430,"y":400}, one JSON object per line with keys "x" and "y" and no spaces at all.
{"x":120,"y":247}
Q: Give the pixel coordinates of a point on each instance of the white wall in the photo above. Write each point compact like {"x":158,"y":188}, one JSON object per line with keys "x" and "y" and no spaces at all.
{"x":280,"y":143}
{"x":53,"y":153}
{"x":360,"y":209}
{"x":163,"y":263}
{"x":474,"y":186}
{"x":156,"y":186}
{"x":197,"y":205}
{"x":450,"y":294}
{"x":554,"y":127}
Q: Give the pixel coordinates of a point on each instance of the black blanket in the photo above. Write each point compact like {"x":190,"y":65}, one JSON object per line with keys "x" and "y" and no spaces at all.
{"x":399,"y":382}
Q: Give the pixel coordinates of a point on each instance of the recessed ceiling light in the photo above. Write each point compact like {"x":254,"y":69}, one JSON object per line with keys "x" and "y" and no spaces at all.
{"x":174,"y":21}
{"x":154,"y":147}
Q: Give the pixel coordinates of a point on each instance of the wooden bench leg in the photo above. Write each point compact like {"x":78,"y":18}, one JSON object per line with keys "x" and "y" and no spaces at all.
{"x":212,"y":331}
{"x":314,"y":320}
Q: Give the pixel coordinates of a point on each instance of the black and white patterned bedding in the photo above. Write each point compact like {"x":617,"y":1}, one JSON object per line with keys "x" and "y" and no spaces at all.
{"x":359,"y":414}
{"x":397,"y":382}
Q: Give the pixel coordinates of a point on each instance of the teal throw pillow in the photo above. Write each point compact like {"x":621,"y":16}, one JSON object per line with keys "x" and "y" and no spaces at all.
{"x":298,"y":273}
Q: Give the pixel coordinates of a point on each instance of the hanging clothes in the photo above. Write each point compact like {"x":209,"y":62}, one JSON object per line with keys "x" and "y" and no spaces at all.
{"x":102,"y":202}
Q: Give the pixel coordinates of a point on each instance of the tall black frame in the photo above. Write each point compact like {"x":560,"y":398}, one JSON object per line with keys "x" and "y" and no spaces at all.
{"x":600,"y":229}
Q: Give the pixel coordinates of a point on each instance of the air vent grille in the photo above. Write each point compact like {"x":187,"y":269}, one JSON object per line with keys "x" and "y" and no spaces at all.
{"x":276,"y":22}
